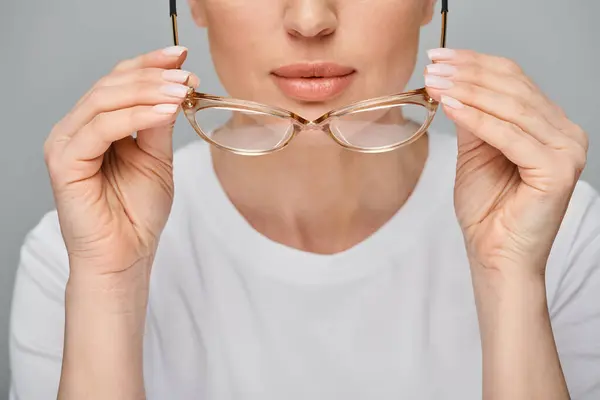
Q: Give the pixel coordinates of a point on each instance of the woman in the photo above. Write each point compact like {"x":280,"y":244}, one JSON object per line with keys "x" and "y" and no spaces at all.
{"x":445,"y":269}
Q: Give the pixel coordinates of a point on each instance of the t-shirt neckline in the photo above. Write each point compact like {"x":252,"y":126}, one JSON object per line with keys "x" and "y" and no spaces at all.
{"x":258,"y":252}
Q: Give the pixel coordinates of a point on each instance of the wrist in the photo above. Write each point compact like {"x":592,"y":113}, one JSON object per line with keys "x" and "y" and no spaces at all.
{"x":520,"y":360}
{"x":513,"y":299}
{"x":508,"y":271}
{"x":104,"y":329}
{"x":109,"y":274}
{"x":125,"y":292}
{"x":499,"y":289}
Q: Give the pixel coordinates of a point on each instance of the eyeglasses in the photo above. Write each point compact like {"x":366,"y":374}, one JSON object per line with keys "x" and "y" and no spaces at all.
{"x":370,"y":126}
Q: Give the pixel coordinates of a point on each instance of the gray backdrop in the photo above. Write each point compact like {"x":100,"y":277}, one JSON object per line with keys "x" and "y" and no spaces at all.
{"x":52,"y":51}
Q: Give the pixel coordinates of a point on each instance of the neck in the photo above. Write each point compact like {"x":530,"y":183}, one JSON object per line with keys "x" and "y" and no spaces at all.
{"x":320,"y":197}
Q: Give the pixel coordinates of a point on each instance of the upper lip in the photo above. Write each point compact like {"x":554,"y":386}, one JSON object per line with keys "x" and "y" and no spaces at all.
{"x":313,"y":70}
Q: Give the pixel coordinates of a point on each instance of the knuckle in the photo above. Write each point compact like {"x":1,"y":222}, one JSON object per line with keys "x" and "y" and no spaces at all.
{"x":520,"y":108}
{"x":121,"y":65}
{"x":470,"y":92}
{"x":147,"y":89}
{"x":470,"y":55}
{"x":526,"y":89}
{"x":567,"y":170}
{"x":50,"y":142}
{"x":563,"y":177}
{"x":93,"y":96}
{"x":556,"y":109}
{"x":510,"y":65}
{"x":51,"y":159}
{"x":579,"y":158}
{"x":144,"y":75}
{"x":478,"y":73}
{"x":96,"y":98}
{"x":48,"y":150}
{"x":582,"y":137}
{"x":154,"y":72}
{"x":102,"y":82}
{"x":585,"y":141}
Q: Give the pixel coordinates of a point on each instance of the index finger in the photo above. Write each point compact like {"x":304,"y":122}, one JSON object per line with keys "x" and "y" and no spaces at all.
{"x":490,"y":62}
{"x":168,"y":58}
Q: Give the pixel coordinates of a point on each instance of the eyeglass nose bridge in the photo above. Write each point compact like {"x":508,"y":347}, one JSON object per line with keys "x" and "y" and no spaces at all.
{"x":323,"y":125}
{"x":313,"y":125}
{"x":320,"y":124}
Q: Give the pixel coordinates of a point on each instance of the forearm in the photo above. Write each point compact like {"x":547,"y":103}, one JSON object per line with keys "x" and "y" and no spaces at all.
{"x":520,"y":359}
{"x":104,"y":326}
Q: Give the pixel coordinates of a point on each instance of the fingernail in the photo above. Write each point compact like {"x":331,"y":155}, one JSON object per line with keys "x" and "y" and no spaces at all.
{"x":437,"y":82}
{"x":165,"y":108}
{"x":441,"y":69}
{"x":176,"y":75}
{"x":174,"y":51}
{"x":452,"y":102}
{"x":441,"y":54}
{"x":174,"y":90}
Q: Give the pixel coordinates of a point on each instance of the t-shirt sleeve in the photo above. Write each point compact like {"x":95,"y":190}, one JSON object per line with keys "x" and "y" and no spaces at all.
{"x":573,"y":278}
{"x":37,"y":315}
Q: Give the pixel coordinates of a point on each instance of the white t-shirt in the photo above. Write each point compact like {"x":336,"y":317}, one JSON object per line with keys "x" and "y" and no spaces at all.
{"x":234,"y":315}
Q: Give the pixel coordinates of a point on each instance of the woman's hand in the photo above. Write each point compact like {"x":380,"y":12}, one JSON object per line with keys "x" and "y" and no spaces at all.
{"x":519,"y":158}
{"x":113,"y":193}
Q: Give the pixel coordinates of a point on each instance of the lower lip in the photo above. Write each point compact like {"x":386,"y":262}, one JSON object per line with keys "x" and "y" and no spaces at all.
{"x":313,"y":89}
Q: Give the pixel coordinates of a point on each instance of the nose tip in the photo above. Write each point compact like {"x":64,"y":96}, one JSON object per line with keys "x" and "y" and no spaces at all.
{"x":310,"y":19}
{"x":311,"y":32}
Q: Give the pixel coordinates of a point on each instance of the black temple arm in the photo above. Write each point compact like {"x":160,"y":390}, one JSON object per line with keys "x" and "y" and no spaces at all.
{"x":173,"y":7}
{"x":444,"y":6}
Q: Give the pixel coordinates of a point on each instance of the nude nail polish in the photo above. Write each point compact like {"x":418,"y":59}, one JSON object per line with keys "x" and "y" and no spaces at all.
{"x":174,"y":51}
{"x":165,"y":108}
{"x":176,"y":75}
{"x":452,"y":102}
{"x":174,"y":90}
{"x":441,"y":69}
{"x":437,"y":82}
{"x":441,"y":54}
